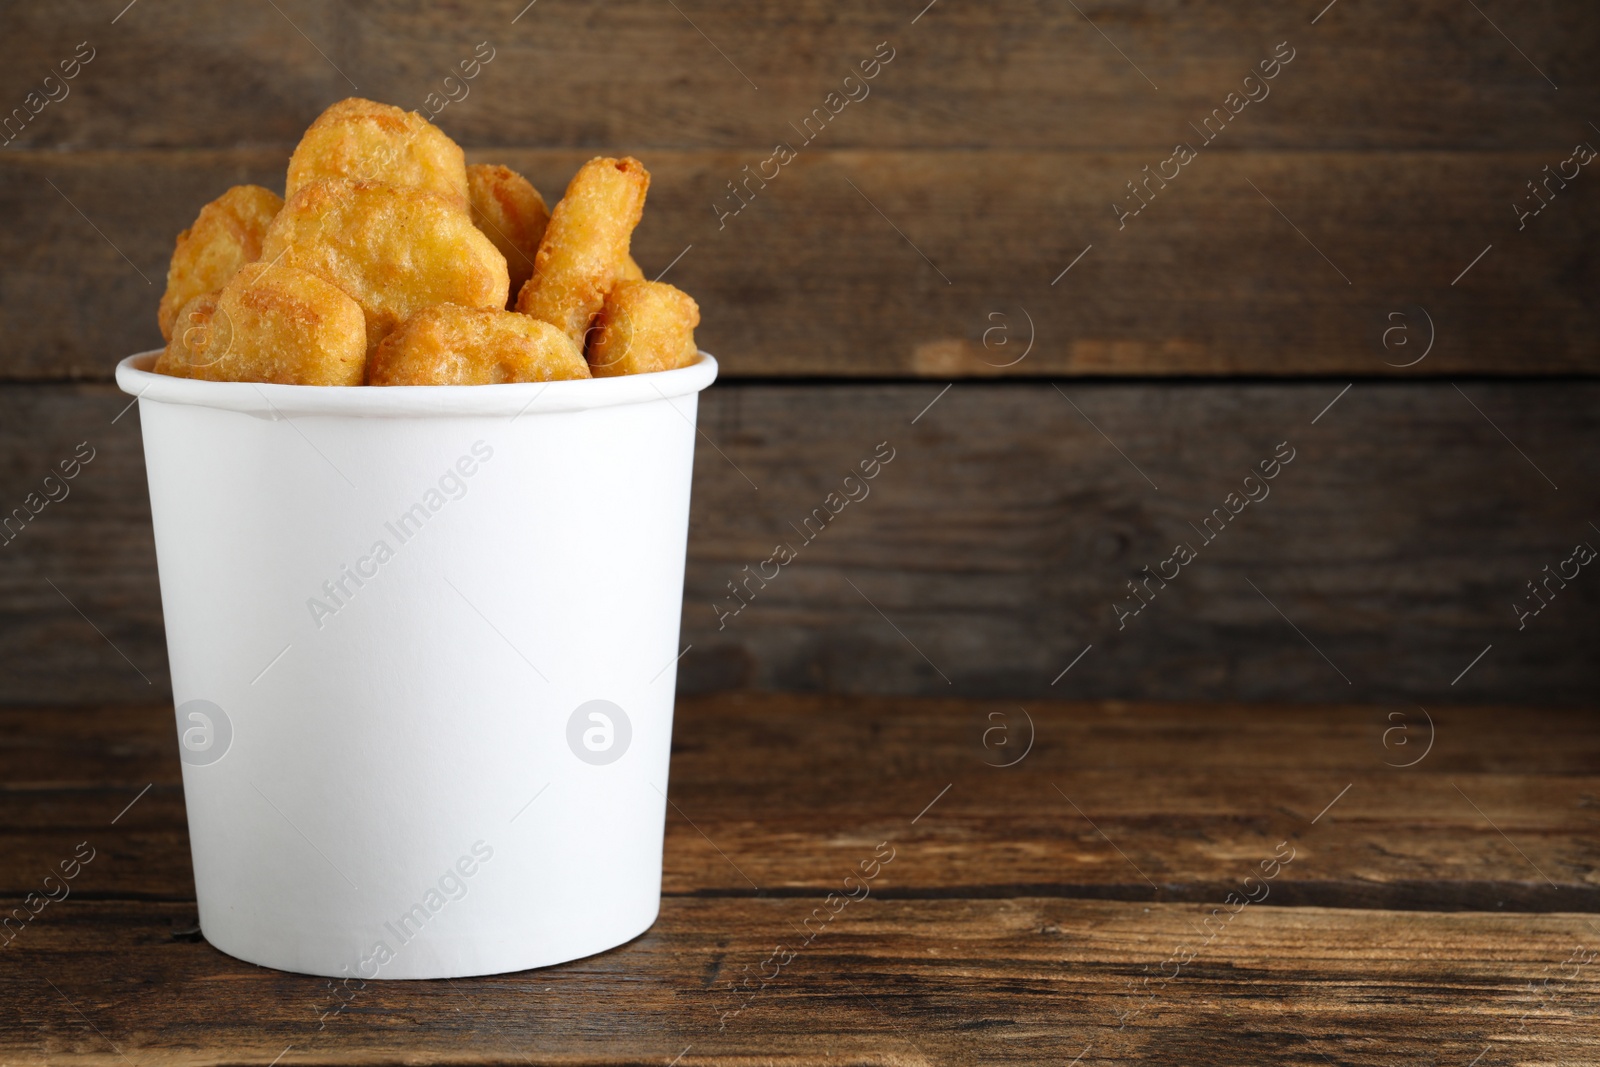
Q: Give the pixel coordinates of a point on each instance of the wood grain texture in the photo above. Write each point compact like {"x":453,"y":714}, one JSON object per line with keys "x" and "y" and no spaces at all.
{"x":992,"y":553}
{"x":1192,"y":795}
{"x":989,"y":154}
{"x":889,"y":983}
{"x":994,"y":546}
{"x":939,"y":264}
{"x":1019,"y":74}
{"x":947,"y":960}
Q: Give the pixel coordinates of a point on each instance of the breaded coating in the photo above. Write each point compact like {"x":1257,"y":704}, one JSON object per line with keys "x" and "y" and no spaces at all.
{"x":453,"y":345}
{"x":191,"y":351}
{"x":226,"y":235}
{"x":585,"y":245}
{"x":270,"y":324}
{"x":395,"y":250}
{"x":364,"y":140}
{"x":643,"y":327}
{"x":511,"y":213}
{"x":630,"y":271}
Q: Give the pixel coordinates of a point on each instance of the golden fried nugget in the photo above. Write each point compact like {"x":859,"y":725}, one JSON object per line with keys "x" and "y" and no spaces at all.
{"x":643,"y":327}
{"x":363,"y":140}
{"x":270,"y":324}
{"x":190,"y":347}
{"x":585,"y":245}
{"x":226,"y":235}
{"x":511,"y":213}
{"x":452,"y":345}
{"x":395,"y":250}
{"x":630,"y":272}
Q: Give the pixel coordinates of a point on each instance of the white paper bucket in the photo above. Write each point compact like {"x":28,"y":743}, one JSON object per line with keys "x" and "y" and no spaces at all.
{"x":424,"y":642}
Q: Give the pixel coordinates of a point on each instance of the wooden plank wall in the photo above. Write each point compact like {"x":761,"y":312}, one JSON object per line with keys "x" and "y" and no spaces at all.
{"x":956,"y":222}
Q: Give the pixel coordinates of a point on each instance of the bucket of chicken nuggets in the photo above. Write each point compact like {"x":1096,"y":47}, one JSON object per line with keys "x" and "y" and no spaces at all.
{"x":419,"y":454}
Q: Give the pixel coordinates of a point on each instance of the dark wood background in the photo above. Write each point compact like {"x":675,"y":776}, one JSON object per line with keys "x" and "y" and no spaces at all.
{"x":913,"y":246}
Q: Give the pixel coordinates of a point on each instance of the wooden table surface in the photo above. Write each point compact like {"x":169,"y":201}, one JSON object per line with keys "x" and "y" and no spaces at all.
{"x":1073,"y":904}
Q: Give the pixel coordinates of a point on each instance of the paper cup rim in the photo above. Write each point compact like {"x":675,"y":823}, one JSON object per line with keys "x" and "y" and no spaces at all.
{"x":135,"y":377}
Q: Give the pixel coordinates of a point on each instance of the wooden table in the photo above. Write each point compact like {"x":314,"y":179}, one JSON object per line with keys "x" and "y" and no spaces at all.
{"x":1073,"y":904}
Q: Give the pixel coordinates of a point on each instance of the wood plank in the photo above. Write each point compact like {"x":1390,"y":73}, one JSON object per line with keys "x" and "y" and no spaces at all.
{"x":997,"y":543}
{"x":1004,"y":545}
{"x":1014,"y":74}
{"x":812,"y":279}
{"x":776,"y":794}
{"x":907,"y":975}
{"x":887,"y":982}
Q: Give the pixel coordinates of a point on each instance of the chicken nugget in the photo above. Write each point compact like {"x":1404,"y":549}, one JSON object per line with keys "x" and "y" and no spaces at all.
{"x":511,"y":213}
{"x":270,"y":324}
{"x":364,"y":140}
{"x":643,"y":327}
{"x":395,"y":250}
{"x":585,"y":245}
{"x":226,"y":235}
{"x":190,"y":350}
{"x":452,"y":345}
{"x":630,"y":272}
